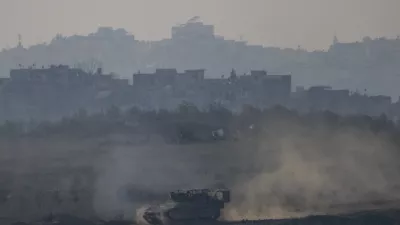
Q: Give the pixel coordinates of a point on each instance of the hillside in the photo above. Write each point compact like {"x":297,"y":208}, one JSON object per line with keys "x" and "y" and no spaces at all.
{"x":356,"y":66}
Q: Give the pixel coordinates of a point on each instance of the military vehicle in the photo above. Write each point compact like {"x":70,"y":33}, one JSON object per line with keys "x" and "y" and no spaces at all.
{"x":203,"y":207}
{"x":183,"y":207}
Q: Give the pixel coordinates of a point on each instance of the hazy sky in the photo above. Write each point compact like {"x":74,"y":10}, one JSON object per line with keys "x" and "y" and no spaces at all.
{"x":283,"y":23}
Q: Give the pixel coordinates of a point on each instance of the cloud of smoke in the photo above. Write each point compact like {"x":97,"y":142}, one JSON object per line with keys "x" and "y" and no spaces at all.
{"x":151,"y":171}
{"x":290,"y":170}
{"x":318,"y":169}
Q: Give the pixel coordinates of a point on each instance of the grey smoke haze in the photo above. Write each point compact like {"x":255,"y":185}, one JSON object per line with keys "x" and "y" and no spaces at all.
{"x":288,"y":166}
{"x":283,"y":23}
{"x":316,"y":170}
{"x":155,"y":168}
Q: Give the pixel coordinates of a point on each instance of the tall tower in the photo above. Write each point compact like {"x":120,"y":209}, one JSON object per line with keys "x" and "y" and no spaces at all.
{"x":335,"y":40}
{"x":19,"y":41}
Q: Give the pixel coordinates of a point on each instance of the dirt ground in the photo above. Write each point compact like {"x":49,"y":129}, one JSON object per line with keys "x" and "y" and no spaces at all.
{"x":89,"y":178}
{"x":84,"y":177}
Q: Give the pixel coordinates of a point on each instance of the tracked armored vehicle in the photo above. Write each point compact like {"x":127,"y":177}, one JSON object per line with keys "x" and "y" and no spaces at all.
{"x":183,"y":207}
{"x":203,"y":207}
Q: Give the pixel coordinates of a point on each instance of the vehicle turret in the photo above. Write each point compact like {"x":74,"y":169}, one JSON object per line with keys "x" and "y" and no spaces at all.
{"x":185,"y":206}
{"x":201,"y":195}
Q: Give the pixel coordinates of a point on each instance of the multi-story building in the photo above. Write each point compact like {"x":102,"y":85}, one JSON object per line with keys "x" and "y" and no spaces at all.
{"x":258,"y":88}
{"x":163,"y":77}
{"x":60,"y":88}
{"x":192,"y":31}
{"x":63,"y":75}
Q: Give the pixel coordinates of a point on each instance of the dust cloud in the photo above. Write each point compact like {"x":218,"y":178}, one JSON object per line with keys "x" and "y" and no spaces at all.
{"x":150,"y":172}
{"x":318,"y":170}
{"x":289,"y":170}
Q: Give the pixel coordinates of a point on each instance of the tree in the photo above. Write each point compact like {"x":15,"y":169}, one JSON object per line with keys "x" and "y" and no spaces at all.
{"x":113,"y":112}
{"x":186,"y":108}
{"x":90,"y":66}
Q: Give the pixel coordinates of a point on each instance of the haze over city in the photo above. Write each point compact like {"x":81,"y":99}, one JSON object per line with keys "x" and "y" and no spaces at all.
{"x":207,"y":112}
{"x":310,"y":24}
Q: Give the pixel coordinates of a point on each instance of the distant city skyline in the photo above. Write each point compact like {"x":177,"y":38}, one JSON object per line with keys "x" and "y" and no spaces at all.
{"x":310,"y":24}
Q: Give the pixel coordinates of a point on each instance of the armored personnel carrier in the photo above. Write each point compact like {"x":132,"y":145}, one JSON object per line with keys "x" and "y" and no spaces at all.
{"x":203,"y":207}
{"x":183,"y":207}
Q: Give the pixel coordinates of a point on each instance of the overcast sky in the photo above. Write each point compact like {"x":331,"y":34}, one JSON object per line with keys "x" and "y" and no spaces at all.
{"x":284,"y":23}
